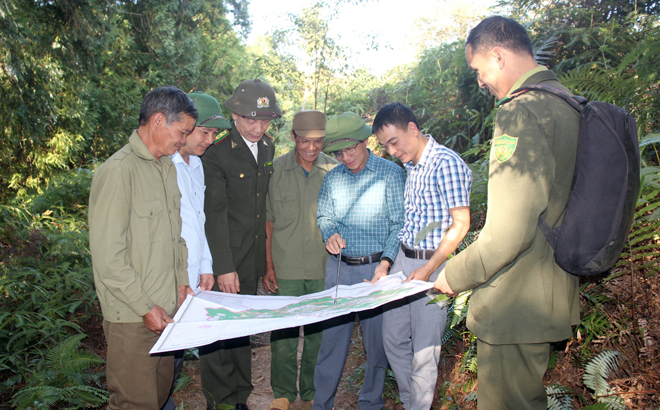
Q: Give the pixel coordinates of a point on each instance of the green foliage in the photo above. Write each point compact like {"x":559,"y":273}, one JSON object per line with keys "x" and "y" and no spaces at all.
{"x":64,"y":380}
{"x":46,"y":283}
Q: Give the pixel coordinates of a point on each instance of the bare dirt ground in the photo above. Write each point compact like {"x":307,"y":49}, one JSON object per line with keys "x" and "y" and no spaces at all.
{"x":191,"y":398}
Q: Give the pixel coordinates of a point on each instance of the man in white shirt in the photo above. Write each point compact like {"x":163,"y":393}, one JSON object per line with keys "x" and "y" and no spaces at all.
{"x":190,"y":177}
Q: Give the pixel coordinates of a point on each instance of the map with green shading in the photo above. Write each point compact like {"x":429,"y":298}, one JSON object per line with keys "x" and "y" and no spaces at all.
{"x":310,"y":307}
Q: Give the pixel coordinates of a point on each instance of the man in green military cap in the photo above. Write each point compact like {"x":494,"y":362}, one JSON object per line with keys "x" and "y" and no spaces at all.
{"x":360,"y":213}
{"x":190,"y":178}
{"x":522,"y":300}
{"x":295,"y":252}
{"x":237,"y":169}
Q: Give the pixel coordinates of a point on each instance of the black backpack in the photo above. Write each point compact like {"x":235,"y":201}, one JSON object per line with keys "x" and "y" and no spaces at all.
{"x":605,"y":187}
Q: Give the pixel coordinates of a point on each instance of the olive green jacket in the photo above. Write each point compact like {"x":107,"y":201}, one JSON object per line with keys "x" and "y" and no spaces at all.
{"x":139,"y":258}
{"x":520,"y":294}
{"x":298,"y":249}
{"x":235,"y":207}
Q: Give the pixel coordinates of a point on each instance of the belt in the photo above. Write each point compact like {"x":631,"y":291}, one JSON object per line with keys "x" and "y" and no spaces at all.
{"x":361,"y":260}
{"x":417,"y":253}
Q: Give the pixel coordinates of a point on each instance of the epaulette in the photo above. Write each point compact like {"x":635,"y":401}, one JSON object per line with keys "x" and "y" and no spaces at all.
{"x":510,"y":97}
{"x":271,"y":138}
{"x":221,"y":136}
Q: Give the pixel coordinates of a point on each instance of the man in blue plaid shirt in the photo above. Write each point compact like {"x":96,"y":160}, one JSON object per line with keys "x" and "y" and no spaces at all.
{"x":437,"y":205}
{"x":360,"y":212}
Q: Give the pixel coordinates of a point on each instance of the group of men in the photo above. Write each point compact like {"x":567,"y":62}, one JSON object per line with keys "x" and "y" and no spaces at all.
{"x":194,"y":202}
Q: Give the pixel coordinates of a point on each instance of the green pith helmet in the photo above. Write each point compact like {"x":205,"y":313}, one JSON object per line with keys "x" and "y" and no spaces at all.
{"x":254,"y":99}
{"x":345,"y":130}
{"x":209,"y":111}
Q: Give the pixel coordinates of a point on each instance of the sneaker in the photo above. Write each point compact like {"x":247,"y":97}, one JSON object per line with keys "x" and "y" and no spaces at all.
{"x":279,"y":404}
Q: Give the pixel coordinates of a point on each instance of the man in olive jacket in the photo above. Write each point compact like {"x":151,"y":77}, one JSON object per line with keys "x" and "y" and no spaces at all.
{"x":237,"y":171}
{"x":522,"y":301}
{"x":138,"y":255}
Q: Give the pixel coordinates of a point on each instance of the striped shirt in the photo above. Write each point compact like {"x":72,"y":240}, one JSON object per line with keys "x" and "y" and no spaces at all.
{"x":366,"y":208}
{"x":440,"y":181}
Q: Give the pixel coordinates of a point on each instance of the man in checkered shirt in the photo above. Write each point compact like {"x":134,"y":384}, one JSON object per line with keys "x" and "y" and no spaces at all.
{"x":437,"y":204}
{"x":360,"y":212}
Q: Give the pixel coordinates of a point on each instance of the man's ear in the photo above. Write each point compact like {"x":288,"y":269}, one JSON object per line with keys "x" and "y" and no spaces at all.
{"x":498,"y":54}
{"x":157,"y":121}
{"x":293,"y":136}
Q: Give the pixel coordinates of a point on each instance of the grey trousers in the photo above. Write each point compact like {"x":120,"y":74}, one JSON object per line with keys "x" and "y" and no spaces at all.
{"x":337,"y":339}
{"x":412,"y":337}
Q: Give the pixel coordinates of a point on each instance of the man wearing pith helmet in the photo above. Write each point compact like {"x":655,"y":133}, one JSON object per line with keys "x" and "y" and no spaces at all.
{"x":360,"y":213}
{"x":237,"y":169}
{"x":295,"y":252}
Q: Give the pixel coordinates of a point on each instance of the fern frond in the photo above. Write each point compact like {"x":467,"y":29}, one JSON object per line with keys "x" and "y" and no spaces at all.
{"x":559,"y":397}
{"x":84,"y":396}
{"x":36,"y":397}
{"x":599,"y":369}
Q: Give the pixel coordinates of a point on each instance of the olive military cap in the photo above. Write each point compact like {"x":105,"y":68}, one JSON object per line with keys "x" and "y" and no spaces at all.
{"x":309,"y":124}
{"x":345,"y":130}
{"x":209,"y":111}
{"x":254,"y":99}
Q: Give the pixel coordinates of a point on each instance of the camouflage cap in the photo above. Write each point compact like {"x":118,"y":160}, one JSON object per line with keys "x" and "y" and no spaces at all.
{"x":345,"y":130}
{"x":309,"y":124}
{"x":209,"y":111}
{"x":254,"y":99}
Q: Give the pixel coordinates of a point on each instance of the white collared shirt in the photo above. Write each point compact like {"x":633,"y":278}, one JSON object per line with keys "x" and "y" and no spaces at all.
{"x":191,"y":184}
{"x":253,"y":147}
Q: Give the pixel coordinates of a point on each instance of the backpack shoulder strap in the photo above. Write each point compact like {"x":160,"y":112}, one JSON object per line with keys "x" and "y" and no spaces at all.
{"x":574,"y":101}
{"x":577,"y":102}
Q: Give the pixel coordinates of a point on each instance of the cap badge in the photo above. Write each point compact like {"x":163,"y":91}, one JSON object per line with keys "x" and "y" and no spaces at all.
{"x":263,"y":102}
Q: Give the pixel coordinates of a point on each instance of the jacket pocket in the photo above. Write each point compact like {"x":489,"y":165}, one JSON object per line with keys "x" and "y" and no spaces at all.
{"x":285,"y":204}
{"x":147,"y":224}
{"x":240,"y":184}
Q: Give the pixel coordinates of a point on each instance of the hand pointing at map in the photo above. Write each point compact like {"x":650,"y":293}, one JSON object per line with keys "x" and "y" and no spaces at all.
{"x":335,"y":243}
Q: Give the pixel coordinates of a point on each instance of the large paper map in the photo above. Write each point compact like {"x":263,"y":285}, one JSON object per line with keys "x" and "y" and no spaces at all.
{"x":211,"y":316}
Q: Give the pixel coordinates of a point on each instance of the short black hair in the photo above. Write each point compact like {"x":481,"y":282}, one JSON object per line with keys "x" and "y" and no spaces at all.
{"x":397,"y":114}
{"x":168,"y":100}
{"x":497,"y":31}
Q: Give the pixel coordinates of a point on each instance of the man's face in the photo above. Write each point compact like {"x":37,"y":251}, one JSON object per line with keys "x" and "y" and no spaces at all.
{"x":355,"y":161}
{"x":403,"y":144}
{"x":489,"y":72}
{"x":198,"y":141}
{"x":172,"y":137}
{"x":252,"y":130}
{"x":308,"y":149}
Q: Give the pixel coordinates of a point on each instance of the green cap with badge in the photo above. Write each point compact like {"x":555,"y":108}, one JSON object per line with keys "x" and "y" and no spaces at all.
{"x":345,"y":130}
{"x":209,"y":111}
{"x":254,"y":99}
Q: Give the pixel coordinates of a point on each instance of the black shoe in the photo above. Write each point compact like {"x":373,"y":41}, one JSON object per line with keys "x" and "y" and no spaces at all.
{"x":242,"y":406}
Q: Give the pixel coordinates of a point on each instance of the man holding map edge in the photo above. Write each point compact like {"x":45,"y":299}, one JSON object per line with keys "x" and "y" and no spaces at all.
{"x":295,"y":252}
{"x":360,"y":213}
{"x":437,"y":202}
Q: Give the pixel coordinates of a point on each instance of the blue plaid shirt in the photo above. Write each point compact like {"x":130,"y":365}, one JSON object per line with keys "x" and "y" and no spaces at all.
{"x":440,"y":181}
{"x":365,"y":208}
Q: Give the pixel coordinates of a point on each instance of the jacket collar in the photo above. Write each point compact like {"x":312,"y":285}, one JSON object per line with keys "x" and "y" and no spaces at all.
{"x":140,"y":149}
{"x":323,"y":161}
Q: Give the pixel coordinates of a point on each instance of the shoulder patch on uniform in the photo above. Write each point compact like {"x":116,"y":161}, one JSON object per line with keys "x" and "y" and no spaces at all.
{"x":271,"y":138}
{"x":221,"y":136}
{"x":504,"y":147}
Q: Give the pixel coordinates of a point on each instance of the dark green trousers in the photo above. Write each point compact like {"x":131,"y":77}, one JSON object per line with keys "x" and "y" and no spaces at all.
{"x":226,"y":366}
{"x":511,"y":376}
{"x":284,"y":348}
